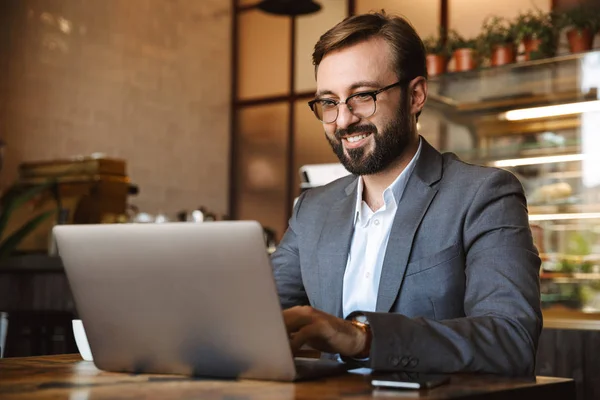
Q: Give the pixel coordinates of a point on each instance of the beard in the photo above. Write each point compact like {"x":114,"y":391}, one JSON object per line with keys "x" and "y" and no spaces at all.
{"x":389,"y":145}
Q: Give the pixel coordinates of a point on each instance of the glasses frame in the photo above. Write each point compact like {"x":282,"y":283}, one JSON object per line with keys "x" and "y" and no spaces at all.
{"x":372,"y":93}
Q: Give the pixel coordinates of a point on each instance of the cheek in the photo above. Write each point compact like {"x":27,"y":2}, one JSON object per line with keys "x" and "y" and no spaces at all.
{"x":383,"y":120}
{"x":329,"y":130}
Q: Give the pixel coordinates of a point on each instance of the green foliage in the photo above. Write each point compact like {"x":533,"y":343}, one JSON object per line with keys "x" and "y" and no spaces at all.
{"x":496,"y":31}
{"x":538,"y":25}
{"x":582,"y":16}
{"x":534,"y":25}
{"x":456,"y":41}
{"x":434,"y":44}
{"x":12,"y":201}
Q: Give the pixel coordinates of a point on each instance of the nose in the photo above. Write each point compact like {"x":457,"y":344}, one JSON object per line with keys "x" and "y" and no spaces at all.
{"x":345,"y":118}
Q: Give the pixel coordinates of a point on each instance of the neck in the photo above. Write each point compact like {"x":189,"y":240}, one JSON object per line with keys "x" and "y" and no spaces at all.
{"x":374,"y":185}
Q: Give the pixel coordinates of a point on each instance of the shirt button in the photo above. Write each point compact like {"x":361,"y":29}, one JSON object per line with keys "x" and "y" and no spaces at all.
{"x":367,"y":275}
{"x":376,"y":222}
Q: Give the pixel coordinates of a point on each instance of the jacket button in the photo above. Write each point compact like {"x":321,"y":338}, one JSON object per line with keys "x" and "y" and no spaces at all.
{"x":405,"y":361}
{"x":394,"y":360}
{"x":413,"y":362}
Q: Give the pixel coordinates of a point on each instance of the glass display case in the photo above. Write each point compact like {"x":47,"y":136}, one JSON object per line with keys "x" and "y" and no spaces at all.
{"x":541,"y":121}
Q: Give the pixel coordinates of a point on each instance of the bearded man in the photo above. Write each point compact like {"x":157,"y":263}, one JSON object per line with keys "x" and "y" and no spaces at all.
{"x":416,"y":261}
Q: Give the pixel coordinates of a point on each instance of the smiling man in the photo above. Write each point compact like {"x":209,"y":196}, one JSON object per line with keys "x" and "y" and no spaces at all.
{"x":417,"y":261}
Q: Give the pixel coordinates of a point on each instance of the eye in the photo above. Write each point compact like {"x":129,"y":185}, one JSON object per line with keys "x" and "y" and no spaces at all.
{"x":326,"y":104}
{"x":362,"y":97}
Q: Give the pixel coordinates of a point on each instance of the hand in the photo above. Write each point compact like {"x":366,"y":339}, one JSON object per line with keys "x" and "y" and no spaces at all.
{"x":322,"y":331}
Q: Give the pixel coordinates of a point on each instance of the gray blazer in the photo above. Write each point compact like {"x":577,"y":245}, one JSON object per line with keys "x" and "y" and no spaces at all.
{"x":459,"y":288}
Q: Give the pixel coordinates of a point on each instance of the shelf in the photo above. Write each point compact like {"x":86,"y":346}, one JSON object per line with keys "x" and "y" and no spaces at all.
{"x":534,"y":155}
{"x":539,"y":160}
{"x":559,"y":175}
{"x":550,"y":144}
{"x":482,"y":73}
{"x":519,"y":100}
{"x":569,"y":277}
{"x":563,"y":217}
{"x":557,"y":317}
{"x":563,"y":208}
{"x":569,"y":257}
{"x":478,"y":99}
{"x":493,"y":127}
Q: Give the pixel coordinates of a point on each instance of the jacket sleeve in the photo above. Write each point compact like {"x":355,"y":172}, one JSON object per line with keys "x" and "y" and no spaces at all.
{"x":286,"y":265}
{"x":502,"y":298}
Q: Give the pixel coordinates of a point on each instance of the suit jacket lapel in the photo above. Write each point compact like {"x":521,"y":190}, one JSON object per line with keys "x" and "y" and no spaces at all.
{"x":333,"y":248}
{"x":411,"y":209}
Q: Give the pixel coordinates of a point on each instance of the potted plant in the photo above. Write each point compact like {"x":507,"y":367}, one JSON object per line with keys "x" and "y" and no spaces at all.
{"x":437,"y":54}
{"x":537,"y":31}
{"x":497,"y":41}
{"x":581,"y":22}
{"x":464,"y":51}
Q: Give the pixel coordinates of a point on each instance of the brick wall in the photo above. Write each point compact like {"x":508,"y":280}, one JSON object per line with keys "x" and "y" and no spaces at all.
{"x":143,"y":80}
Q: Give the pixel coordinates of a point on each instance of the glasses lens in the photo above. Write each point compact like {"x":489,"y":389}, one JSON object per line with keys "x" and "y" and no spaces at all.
{"x":317,"y":111}
{"x":325,"y":111}
{"x":362,"y":106}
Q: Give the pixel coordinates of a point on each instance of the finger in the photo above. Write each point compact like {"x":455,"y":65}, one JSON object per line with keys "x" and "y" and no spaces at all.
{"x":303,"y":336}
{"x":296,"y":318}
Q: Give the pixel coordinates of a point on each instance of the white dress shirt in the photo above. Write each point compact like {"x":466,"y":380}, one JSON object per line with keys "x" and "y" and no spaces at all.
{"x":369,"y":243}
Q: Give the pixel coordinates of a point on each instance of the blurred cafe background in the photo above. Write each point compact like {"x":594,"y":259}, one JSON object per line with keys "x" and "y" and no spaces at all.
{"x":148,"y":111}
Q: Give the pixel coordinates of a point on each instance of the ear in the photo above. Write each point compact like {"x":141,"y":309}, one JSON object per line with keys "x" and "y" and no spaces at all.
{"x":418,"y":94}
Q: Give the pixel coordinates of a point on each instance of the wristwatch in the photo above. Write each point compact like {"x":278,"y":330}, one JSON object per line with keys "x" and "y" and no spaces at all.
{"x":361,"y":322}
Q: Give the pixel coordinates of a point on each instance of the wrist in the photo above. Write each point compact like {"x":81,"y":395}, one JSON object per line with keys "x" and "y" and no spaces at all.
{"x":364,"y":337}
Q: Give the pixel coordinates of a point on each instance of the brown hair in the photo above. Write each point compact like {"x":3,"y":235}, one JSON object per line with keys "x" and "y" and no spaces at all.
{"x":408,"y":52}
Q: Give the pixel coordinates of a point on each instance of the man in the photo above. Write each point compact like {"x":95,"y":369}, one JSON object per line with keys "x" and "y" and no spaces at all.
{"x":417,"y":261}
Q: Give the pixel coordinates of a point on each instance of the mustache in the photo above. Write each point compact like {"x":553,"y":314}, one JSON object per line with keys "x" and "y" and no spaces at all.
{"x":340,"y":133}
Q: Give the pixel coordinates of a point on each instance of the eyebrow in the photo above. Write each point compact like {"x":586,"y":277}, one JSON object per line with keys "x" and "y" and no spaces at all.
{"x":355,"y":85}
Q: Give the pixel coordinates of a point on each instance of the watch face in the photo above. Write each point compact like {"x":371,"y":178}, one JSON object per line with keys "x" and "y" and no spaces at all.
{"x":362,"y":319}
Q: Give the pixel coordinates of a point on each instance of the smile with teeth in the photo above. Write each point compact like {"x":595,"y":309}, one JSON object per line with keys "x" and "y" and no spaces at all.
{"x":356,"y":138}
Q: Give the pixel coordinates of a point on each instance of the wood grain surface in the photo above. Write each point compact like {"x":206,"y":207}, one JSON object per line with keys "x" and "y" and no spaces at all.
{"x":68,"y":377}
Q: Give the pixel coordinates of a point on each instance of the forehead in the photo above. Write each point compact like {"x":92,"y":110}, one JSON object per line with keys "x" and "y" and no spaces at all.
{"x":367,"y":61}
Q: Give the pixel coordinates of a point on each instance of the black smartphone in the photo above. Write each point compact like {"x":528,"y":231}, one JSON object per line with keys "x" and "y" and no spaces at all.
{"x":407,"y":380}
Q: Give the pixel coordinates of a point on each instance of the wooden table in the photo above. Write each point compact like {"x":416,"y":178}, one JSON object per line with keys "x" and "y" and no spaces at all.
{"x":67,"y":377}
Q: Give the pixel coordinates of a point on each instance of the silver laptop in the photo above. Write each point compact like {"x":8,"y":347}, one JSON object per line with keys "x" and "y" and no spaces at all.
{"x":195,"y":299}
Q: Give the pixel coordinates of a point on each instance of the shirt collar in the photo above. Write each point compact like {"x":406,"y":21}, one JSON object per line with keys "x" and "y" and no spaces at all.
{"x":392,"y":194}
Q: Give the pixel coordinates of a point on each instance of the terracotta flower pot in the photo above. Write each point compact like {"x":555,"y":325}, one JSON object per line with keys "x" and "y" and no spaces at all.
{"x":436,"y":64}
{"x":502,"y":55}
{"x":465,"y":59}
{"x":531,"y":45}
{"x":580,"y":40}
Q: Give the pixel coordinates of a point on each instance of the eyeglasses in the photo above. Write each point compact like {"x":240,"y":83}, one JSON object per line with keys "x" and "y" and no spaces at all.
{"x":361,"y":104}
